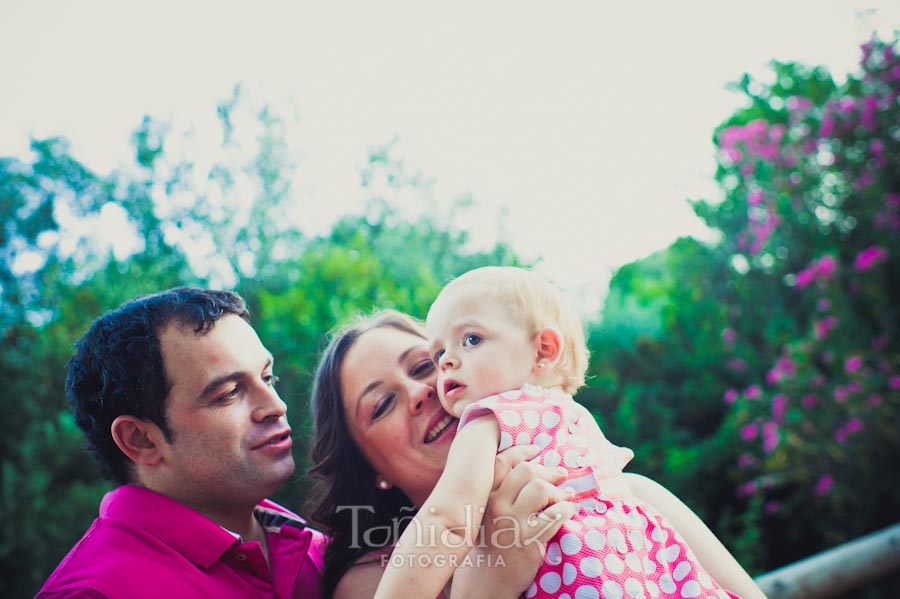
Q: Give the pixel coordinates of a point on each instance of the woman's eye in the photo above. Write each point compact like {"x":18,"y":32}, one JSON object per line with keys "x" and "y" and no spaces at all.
{"x":271,"y":380}
{"x":382,"y":407}
{"x":423,"y":368}
{"x":471,"y":340}
{"x":436,"y":358}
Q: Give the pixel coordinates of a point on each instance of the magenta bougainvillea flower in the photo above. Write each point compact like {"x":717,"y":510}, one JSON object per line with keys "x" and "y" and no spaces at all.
{"x":869,"y":257}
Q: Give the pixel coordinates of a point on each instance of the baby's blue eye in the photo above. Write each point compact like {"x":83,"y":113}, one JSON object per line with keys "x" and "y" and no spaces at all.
{"x":471,"y":340}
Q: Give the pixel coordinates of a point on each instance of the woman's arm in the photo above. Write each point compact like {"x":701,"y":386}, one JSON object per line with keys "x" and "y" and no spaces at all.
{"x":710,"y":552}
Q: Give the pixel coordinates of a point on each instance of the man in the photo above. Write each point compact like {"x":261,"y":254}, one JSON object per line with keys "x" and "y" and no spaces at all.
{"x":176,"y":395}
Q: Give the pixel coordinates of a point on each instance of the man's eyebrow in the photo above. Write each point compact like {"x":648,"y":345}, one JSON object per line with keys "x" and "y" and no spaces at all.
{"x":229,"y":378}
{"x":374,"y":384}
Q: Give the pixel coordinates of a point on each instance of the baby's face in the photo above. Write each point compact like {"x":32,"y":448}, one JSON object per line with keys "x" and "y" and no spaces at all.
{"x":479,"y":349}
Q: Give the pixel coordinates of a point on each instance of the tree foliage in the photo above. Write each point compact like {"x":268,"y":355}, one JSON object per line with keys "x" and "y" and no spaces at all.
{"x":760,"y":375}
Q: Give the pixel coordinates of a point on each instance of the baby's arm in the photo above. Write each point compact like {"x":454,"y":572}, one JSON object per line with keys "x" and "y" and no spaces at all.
{"x":710,"y":552}
{"x":446,"y":526}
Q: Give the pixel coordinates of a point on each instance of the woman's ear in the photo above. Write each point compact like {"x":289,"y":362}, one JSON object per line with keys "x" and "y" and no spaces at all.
{"x":139,"y":439}
{"x":548,"y":343}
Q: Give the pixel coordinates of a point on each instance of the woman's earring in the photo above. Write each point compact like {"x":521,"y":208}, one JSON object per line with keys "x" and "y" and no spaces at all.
{"x":541,"y":364}
{"x":383,"y":484}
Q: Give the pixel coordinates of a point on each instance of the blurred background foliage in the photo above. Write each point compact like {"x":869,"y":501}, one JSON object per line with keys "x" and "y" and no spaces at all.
{"x":757,"y":376}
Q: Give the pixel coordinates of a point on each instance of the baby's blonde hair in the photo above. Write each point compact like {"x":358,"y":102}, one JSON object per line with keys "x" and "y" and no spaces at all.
{"x":536,"y":304}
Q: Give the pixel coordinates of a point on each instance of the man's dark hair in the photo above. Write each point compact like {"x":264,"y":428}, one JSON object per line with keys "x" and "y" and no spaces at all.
{"x":118,"y":367}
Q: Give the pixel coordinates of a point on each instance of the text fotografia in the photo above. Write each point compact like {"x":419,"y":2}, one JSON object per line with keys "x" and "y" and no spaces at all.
{"x":506,"y":531}
{"x":479,"y":560}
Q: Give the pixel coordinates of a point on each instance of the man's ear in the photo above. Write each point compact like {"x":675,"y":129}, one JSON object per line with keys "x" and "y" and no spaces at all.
{"x":139,"y":439}
{"x":548,"y":343}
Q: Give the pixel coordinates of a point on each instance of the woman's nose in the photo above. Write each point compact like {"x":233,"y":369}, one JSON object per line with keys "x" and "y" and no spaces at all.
{"x":420,"y":396}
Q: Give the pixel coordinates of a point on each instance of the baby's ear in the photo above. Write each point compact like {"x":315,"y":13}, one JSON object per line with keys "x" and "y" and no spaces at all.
{"x":548,"y":343}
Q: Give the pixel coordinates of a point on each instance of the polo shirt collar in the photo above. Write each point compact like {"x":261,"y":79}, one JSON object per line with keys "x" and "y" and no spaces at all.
{"x":186,"y":530}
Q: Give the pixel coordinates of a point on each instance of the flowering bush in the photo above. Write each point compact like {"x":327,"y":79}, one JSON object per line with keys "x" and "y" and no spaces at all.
{"x":810,"y":221}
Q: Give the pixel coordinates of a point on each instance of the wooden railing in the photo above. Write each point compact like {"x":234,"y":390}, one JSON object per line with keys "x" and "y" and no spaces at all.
{"x":837,"y":570}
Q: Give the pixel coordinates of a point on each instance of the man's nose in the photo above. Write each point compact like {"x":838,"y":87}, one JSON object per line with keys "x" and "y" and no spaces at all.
{"x":268,"y":403}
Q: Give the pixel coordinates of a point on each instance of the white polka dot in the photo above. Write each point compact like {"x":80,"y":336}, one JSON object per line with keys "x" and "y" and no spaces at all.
{"x":573,"y":525}
{"x":506,"y":440}
{"x":617,"y":540}
{"x":569,"y":573}
{"x":531,"y":418}
{"x":669,"y":554}
{"x":649,"y":566}
{"x":510,"y":418}
{"x":633,"y":587}
{"x":586,"y":592}
{"x":614,"y":563}
{"x":542,"y":440}
{"x":570,"y":544}
{"x":611,"y":590}
{"x":636,"y":539}
{"x":514,"y":394}
{"x":554,"y":555}
{"x":633,"y":562}
{"x":523,"y":438}
{"x":659,"y":535}
{"x":639,"y":520}
{"x":594,"y":539}
{"x":620,"y":517}
{"x":704,"y":579}
{"x":550,"y":419}
{"x":571,"y":458}
{"x":681,"y":571}
{"x":551,"y":458}
{"x":561,"y":437}
{"x":550,"y":582}
{"x":666,"y":584}
{"x":565,"y":596}
{"x":591,"y":567}
{"x":690,"y":589}
{"x":652,"y":588}
{"x":532,"y":591}
{"x":595,"y":521}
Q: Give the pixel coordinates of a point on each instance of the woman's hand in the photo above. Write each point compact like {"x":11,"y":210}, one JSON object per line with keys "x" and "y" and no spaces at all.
{"x":524,"y":511}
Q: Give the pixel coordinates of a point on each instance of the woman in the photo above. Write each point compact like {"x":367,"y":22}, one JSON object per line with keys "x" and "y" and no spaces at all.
{"x":379,"y":446}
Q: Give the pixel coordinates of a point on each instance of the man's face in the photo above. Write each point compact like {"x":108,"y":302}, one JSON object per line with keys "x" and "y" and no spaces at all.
{"x":231,"y":443}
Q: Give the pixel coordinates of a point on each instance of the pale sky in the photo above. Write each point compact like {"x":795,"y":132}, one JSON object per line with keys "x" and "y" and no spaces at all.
{"x":588,"y":122}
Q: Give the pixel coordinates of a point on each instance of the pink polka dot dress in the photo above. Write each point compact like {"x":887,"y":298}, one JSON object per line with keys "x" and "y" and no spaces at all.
{"x":615,"y":547}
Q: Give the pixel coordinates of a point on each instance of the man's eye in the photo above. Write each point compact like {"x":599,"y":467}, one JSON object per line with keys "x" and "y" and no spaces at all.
{"x":471,"y":340}
{"x":229,"y":395}
{"x":382,"y":407}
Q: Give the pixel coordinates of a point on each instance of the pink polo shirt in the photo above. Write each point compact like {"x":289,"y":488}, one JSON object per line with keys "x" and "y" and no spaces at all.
{"x":147,"y":545}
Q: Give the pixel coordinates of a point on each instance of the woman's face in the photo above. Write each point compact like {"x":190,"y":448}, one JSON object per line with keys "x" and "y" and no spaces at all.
{"x":388,"y":384}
